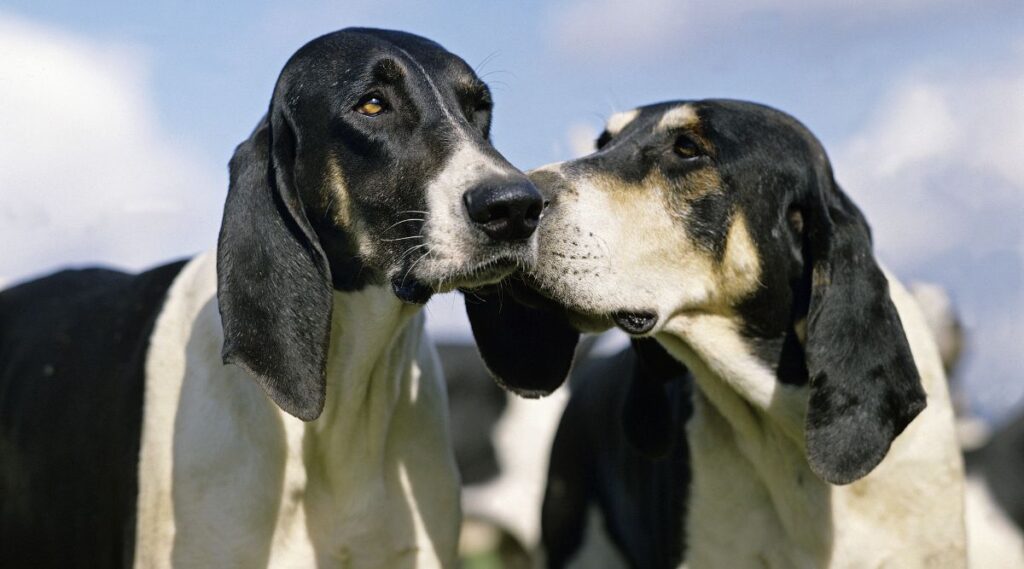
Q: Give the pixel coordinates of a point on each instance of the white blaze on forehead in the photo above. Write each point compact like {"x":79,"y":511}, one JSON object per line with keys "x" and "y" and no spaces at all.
{"x":678,"y":117}
{"x":618,"y":121}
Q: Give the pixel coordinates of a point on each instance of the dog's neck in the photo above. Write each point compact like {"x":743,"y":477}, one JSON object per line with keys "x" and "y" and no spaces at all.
{"x":733,"y":377}
{"x":747,"y":450}
{"x":374,"y":341}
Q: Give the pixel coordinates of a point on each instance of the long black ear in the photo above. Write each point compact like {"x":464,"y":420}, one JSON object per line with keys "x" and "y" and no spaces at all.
{"x":528,"y":348}
{"x":273,"y":281}
{"x":865,"y":387}
{"x":649,"y":420}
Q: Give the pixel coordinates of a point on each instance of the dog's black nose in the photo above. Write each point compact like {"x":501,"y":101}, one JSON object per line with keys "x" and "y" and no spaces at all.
{"x":505,"y":211}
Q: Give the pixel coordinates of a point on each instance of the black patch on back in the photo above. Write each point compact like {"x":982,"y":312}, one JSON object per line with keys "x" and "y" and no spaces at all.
{"x":73,"y":349}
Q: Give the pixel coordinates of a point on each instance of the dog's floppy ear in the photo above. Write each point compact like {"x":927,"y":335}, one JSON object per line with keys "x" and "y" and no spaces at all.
{"x":865,"y":387}
{"x":528,"y":348}
{"x":273,"y":281}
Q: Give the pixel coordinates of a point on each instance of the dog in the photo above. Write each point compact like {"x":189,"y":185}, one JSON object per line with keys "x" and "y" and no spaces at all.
{"x":127,"y":440}
{"x":822,"y":432}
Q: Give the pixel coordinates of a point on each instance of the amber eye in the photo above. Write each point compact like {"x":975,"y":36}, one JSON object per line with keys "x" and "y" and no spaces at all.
{"x":686,"y":148}
{"x":370,"y":106}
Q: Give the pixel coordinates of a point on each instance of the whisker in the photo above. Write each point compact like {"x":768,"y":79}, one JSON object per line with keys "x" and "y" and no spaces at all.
{"x":411,"y":249}
{"x":402,"y":238}
{"x":397,"y":223}
{"x":413,"y":266}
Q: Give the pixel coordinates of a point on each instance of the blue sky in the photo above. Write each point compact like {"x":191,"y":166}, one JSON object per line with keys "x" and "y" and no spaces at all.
{"x":117,"y":119}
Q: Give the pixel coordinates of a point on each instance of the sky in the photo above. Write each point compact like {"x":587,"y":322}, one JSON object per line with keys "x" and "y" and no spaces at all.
{"x":117,"y":120}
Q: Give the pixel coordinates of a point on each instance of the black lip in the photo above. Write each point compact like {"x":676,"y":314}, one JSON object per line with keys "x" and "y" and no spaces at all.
{"x":640,"y":322}
{"x":412,"y":291}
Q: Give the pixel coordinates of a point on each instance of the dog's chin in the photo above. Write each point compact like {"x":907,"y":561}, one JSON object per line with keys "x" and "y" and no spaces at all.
{"x":417,"y":288}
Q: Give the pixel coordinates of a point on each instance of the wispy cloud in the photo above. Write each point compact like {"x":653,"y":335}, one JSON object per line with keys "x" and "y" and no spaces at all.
{"x":624,"y":30}
{"x":938,"y":165}
{"x":86,"y":172}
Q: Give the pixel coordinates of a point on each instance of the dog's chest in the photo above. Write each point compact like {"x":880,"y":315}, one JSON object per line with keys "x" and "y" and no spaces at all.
{"x":735,"y":518}
{"x":227,"y":479}
{"x":756,"y":503}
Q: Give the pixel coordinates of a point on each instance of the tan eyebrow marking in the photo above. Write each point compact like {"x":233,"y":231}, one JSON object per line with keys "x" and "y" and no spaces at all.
{"x":678,"y":117}
{"x":618,"y":121}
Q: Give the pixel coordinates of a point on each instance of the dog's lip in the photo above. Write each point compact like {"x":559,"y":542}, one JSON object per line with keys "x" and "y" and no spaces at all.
{"x":635,"y":322}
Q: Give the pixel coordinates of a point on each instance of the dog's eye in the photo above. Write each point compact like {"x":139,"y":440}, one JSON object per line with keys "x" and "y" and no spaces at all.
{"x":687,"y":148}
{"x":371,"y":106}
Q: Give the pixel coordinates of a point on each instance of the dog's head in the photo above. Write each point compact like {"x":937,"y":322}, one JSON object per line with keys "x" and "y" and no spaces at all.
{"x":717,"y":227}
{"x":373,"y":166}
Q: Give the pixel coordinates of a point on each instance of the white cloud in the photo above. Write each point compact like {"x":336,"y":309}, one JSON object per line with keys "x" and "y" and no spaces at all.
{"x":626,"y":29}
{"x":939,"y":163}
{"x":938,"y":172}
{"x":86,"y":173}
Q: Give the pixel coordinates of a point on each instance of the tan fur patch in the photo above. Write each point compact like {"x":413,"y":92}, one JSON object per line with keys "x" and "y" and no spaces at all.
{"x":338,"y":195}
{"x":618,"y":121}
{"x":680,"y":117}
{"x":740,"y":270}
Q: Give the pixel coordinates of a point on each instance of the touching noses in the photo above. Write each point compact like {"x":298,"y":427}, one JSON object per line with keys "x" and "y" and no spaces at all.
{"x":504,"y":210}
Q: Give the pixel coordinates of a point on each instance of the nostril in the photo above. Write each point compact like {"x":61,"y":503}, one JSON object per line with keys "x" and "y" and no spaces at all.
{"x":498,"y":210}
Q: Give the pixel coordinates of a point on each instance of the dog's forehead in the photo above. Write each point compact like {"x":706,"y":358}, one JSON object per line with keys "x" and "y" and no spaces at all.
{"x":358,"y":49}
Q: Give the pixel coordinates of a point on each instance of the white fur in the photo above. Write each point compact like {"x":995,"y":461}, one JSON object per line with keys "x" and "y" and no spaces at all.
{"x":451,"y":242}
{"x":751,"y":477}
{"x":227,"y":479}
{"x":993,"y":539}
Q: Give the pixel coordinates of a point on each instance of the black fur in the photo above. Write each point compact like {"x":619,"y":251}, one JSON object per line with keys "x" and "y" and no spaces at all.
{"x":635,"y":471}
{"x":527,"y":347}
{"x":865,"y":388}
{"x":273,"y":282}
{"x":72,"y":356}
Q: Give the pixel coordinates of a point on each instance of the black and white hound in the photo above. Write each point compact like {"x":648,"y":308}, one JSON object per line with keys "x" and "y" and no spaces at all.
{"x":717,"y":228}
{"x":126,"y":440}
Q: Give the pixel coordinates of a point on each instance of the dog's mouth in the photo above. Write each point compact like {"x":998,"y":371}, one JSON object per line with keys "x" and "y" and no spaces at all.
{"x":415,"y":290}
{"x":527,"y":290}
